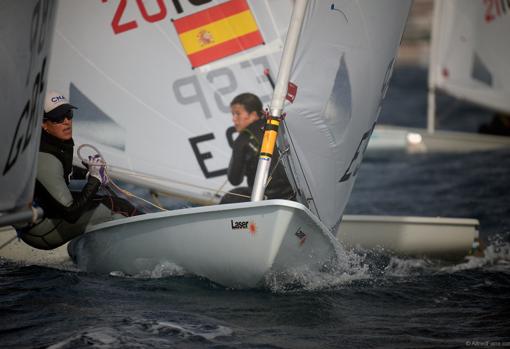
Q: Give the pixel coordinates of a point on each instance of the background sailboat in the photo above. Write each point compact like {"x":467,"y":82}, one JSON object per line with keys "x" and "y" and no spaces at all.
{"x":468,"y":51}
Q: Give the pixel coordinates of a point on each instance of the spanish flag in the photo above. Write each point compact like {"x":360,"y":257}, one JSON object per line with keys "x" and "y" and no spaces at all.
{"x":217,"y":32}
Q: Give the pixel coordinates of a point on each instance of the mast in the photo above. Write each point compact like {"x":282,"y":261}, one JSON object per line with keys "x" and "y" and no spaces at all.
{"x":279,"y":94}
{"x":433,"y":67}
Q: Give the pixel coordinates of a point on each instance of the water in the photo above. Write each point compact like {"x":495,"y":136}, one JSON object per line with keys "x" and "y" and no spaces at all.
{"x":372,"y":301}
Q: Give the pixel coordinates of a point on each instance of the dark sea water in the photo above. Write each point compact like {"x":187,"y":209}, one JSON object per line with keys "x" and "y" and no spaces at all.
{"x":373,"y":301}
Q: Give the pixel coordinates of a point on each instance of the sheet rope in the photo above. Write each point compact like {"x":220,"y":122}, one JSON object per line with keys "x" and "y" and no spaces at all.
{"x":110,"y":181}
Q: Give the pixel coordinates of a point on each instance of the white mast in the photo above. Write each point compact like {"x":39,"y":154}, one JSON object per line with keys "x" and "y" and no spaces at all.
{"x":279,"y":94}
{"x":433,"y":66}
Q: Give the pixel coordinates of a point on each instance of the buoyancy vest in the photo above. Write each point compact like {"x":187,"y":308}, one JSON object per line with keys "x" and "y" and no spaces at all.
{"x":244,"y":161}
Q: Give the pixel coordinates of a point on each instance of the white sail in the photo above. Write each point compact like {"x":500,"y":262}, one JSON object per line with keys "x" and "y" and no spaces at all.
{"x":342,"y":69}
{"x":157,"y":120}
{"x":25,"y":39}
{"x":470,"y":51}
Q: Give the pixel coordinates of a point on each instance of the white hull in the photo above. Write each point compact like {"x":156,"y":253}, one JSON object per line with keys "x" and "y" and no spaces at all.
{"x":234,"y":245}
{"x":415,"y":140}
{"x":447,"y":238}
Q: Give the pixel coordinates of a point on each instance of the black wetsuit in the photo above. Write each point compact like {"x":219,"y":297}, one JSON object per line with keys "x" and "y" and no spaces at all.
{"x":244,"y":161}
{"x":53,"y":208}
{"x":66,"y":214}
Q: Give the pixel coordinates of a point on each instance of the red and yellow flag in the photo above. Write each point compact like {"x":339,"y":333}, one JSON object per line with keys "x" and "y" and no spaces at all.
{"x":217,"y":32}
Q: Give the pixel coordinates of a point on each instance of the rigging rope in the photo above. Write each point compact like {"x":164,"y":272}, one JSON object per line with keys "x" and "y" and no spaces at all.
{"x":139,"y":175}
{"x":110,"y":181}
{"x":309,"y":200}
{"x":214,"y":192}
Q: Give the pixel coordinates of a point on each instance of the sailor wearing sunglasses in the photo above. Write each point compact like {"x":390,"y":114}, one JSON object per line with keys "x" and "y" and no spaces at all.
{"x":67,"y":213}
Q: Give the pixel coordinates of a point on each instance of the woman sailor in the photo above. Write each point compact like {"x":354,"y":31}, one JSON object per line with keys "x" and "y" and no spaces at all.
{"x":247,"y":117}
{"x":67,"y":214}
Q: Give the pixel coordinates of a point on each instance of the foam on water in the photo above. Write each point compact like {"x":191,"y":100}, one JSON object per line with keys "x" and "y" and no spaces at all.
{"x":496,"y":257}
{"x":355,"y":266}
{"x":403,"y":267}
{"x":160,"y":270}
{"x":348,"y":267}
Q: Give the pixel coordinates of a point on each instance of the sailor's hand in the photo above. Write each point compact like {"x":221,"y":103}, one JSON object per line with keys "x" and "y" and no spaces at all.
{"x":97,"y":169}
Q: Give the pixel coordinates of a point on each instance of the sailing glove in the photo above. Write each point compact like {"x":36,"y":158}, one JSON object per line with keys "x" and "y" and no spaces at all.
{"x":97,"y":169}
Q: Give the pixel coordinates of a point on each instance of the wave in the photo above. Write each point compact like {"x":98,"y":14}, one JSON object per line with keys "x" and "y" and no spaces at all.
{"x":376,"y":266}
{"x":143,"y":332}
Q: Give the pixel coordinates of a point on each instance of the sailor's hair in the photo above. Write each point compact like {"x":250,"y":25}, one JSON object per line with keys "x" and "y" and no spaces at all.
{"x":250,"y":102}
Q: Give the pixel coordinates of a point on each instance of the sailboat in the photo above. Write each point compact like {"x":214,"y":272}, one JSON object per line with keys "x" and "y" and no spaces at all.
{"x":468,"y":54}
{"x":162,"y":124}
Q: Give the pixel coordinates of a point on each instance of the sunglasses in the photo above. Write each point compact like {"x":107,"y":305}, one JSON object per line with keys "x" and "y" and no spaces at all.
{"x":61,"y":119}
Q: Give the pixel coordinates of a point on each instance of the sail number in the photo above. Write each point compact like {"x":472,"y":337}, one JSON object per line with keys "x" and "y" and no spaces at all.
{"x":188,"y":91}
{"x":157,"y":12}
{"x":496,"y":8}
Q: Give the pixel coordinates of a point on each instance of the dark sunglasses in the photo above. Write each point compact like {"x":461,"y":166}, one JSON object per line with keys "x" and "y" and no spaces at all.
{"x":68,"y":115}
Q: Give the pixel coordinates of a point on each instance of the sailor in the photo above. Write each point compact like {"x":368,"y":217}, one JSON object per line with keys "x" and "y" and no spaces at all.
{"x":66,"y":213}
{"x":249,"y":122}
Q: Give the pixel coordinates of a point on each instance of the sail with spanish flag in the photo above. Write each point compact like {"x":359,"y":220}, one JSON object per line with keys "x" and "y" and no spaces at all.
{"x":217,"y":32}
{"x":166,"y":126}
